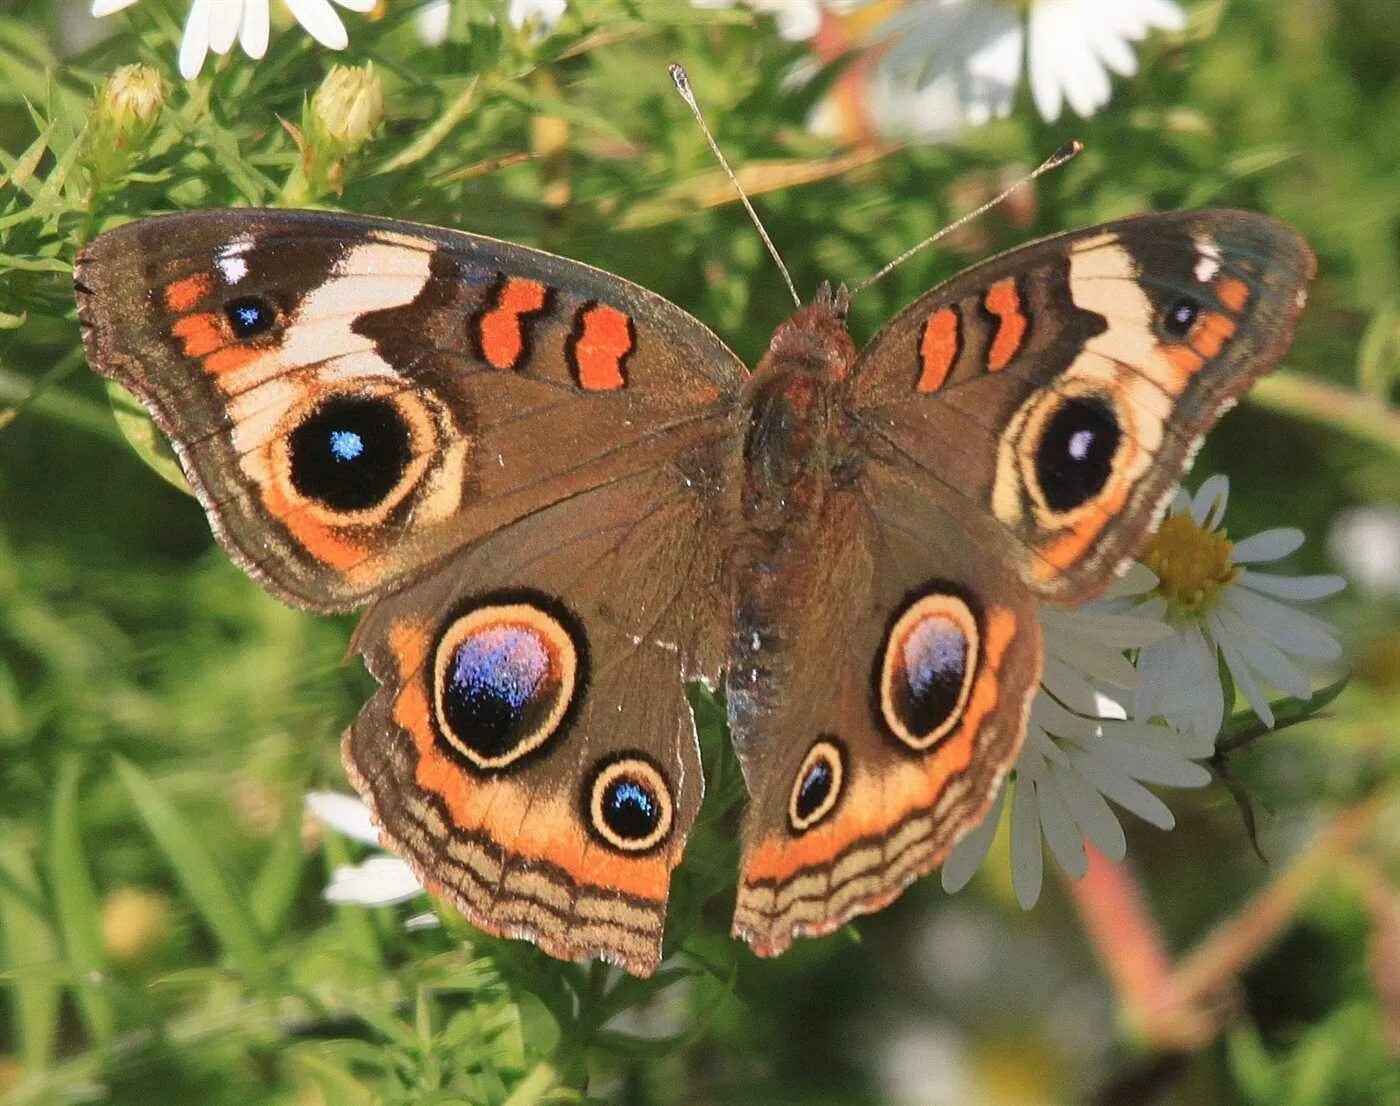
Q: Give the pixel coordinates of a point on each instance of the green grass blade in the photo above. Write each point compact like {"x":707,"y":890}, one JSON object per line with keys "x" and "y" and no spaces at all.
{"x":218,"y":904}
{"x":281,"y":872}
{"x":75,"y":901}
{"x":31,"y":956}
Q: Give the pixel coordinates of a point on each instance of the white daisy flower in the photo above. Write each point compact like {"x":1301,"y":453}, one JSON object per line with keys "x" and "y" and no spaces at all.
{"x":1221,"y":606}
{"x":380,"y":879}
{"x":1081,"y":750}
{"x":938,"y":66}
{"x":216,"y":24}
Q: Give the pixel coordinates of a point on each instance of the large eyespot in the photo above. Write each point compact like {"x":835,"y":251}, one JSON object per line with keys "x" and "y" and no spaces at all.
{"x":627,"y":803}
{"x":250,"y":316}
{"x":925,"y":671}
{"x":1074,"y":457}
{"x":507,"y":677}
{"x":818,"y":784}
{"x":1180,"y":317}
{"x":350,"y":453}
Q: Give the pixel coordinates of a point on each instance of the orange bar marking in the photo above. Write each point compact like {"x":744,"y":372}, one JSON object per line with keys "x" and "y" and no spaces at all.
{"x":938,"y":349}
{"x":200,"y":334}
{"x":502,"y":328}
{"x":1234,"y":294}
{"x":604,"y":339}
{"x":182,"y":295}
{"x":1212,"y":332}
{"x":1004,"y":302}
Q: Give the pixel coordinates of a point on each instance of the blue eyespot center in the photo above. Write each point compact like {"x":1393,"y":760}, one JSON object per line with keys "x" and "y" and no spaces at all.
{"x":250,"y":316}
{"x":500,"y":683}
{"x":346,"y":445}
{"x":1181,"y":317}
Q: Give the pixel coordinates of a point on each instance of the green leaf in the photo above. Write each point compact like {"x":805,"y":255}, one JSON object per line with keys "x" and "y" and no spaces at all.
{"x":1378,"y":356}
{"x":75,"y":900}
{"x":149,"y":443}
{"x":216,"y":901}
{"x":20,"y":171}
{"x":31,"y":954}
{"x":1251,"y":1066}
{"x":277,"y":882}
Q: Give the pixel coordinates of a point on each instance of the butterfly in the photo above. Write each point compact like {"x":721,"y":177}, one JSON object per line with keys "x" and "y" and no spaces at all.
{"x":562,"y":497}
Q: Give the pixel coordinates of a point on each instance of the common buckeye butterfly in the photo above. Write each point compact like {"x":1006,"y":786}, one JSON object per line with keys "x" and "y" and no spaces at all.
{"x":562,"y":497}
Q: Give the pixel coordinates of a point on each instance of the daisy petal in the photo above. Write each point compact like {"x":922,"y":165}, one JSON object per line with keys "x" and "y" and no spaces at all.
{"x":1061,"y":833}
{"x":1267,"y":545}
{"x":968,"y":854}
{"x":194,"y":43}
{"x":321,"y":22}
{"x":1292,"y":631}
{"x":344,"y":814}
{"x":1149,"y":765}
{"x":224,"y":19}
{"x":1268,"y":660}
{"x":1301,"y":589}
{"x":1093,"y":816}
{"x":252,"y":36}
{"x":1246,"y":683}
{"x":1208,"y":504}
{"x":1127,"y":793}
{"x":377,"y":881}
{"x":1027,"y":864}
{"x":101,"y":8}
{"x":424,"y":920}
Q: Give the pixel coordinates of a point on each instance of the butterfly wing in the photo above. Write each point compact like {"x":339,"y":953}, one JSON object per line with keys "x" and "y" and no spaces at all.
{"x":517,"y":458}
{"x":1018,"y":429}
{"x":1052,"y":397}
{"x":354,"y":398}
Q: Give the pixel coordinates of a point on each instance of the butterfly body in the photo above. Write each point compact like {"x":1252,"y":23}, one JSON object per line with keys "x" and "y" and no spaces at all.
{"x":561,"y":497}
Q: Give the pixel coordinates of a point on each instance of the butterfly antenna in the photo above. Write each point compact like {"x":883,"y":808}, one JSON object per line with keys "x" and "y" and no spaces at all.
{"x":1065,"y":153}
{"x":683,"y":87}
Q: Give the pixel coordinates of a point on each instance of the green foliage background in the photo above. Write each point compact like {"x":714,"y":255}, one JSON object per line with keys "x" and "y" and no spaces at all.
{"x":164,"y":936}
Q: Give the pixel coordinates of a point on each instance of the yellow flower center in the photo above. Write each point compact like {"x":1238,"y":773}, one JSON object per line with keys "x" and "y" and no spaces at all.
{"x":1192,"y":564}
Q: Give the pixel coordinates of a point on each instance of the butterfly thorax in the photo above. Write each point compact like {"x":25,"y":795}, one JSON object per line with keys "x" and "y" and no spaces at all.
{"x":793,"y":443}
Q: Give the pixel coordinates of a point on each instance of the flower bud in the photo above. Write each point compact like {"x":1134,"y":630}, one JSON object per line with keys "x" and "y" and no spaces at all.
{"x":348,"y":106}
{"x":128,"y":104}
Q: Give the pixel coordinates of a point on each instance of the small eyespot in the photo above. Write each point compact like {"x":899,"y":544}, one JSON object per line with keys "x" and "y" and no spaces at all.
{"x":817,"y":786}
{"x":1180,"y":317}
{"x":628,"y":804}
{"x":250,"y":316}
{"x":506,"y":676}
{"x":350,"y":453}
{"x":1074,"y":457}
{"x":925,"y":670}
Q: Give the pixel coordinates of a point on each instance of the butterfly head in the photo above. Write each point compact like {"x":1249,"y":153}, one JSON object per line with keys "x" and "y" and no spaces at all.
{"x":814,"y":338}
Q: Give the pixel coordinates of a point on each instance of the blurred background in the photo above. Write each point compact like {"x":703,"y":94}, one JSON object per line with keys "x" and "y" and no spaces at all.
{"x":163,"y":932}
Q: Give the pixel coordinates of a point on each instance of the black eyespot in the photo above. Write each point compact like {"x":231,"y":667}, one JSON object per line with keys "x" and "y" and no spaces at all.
{"x":925,"y":670}
{"x":818,"y":784}
{"x":250,"y":316}
{"x":508,"y":674}
{"x":630,"y":809}
{"x":1075,"y":455}
{"x":350,"y":453}
{"x":815,"y":786}
{"x":1180,"y":317}
{"x":628,"y":803}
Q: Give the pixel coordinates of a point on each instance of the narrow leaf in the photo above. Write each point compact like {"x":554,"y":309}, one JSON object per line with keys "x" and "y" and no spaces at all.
{"x":217,"y":902}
